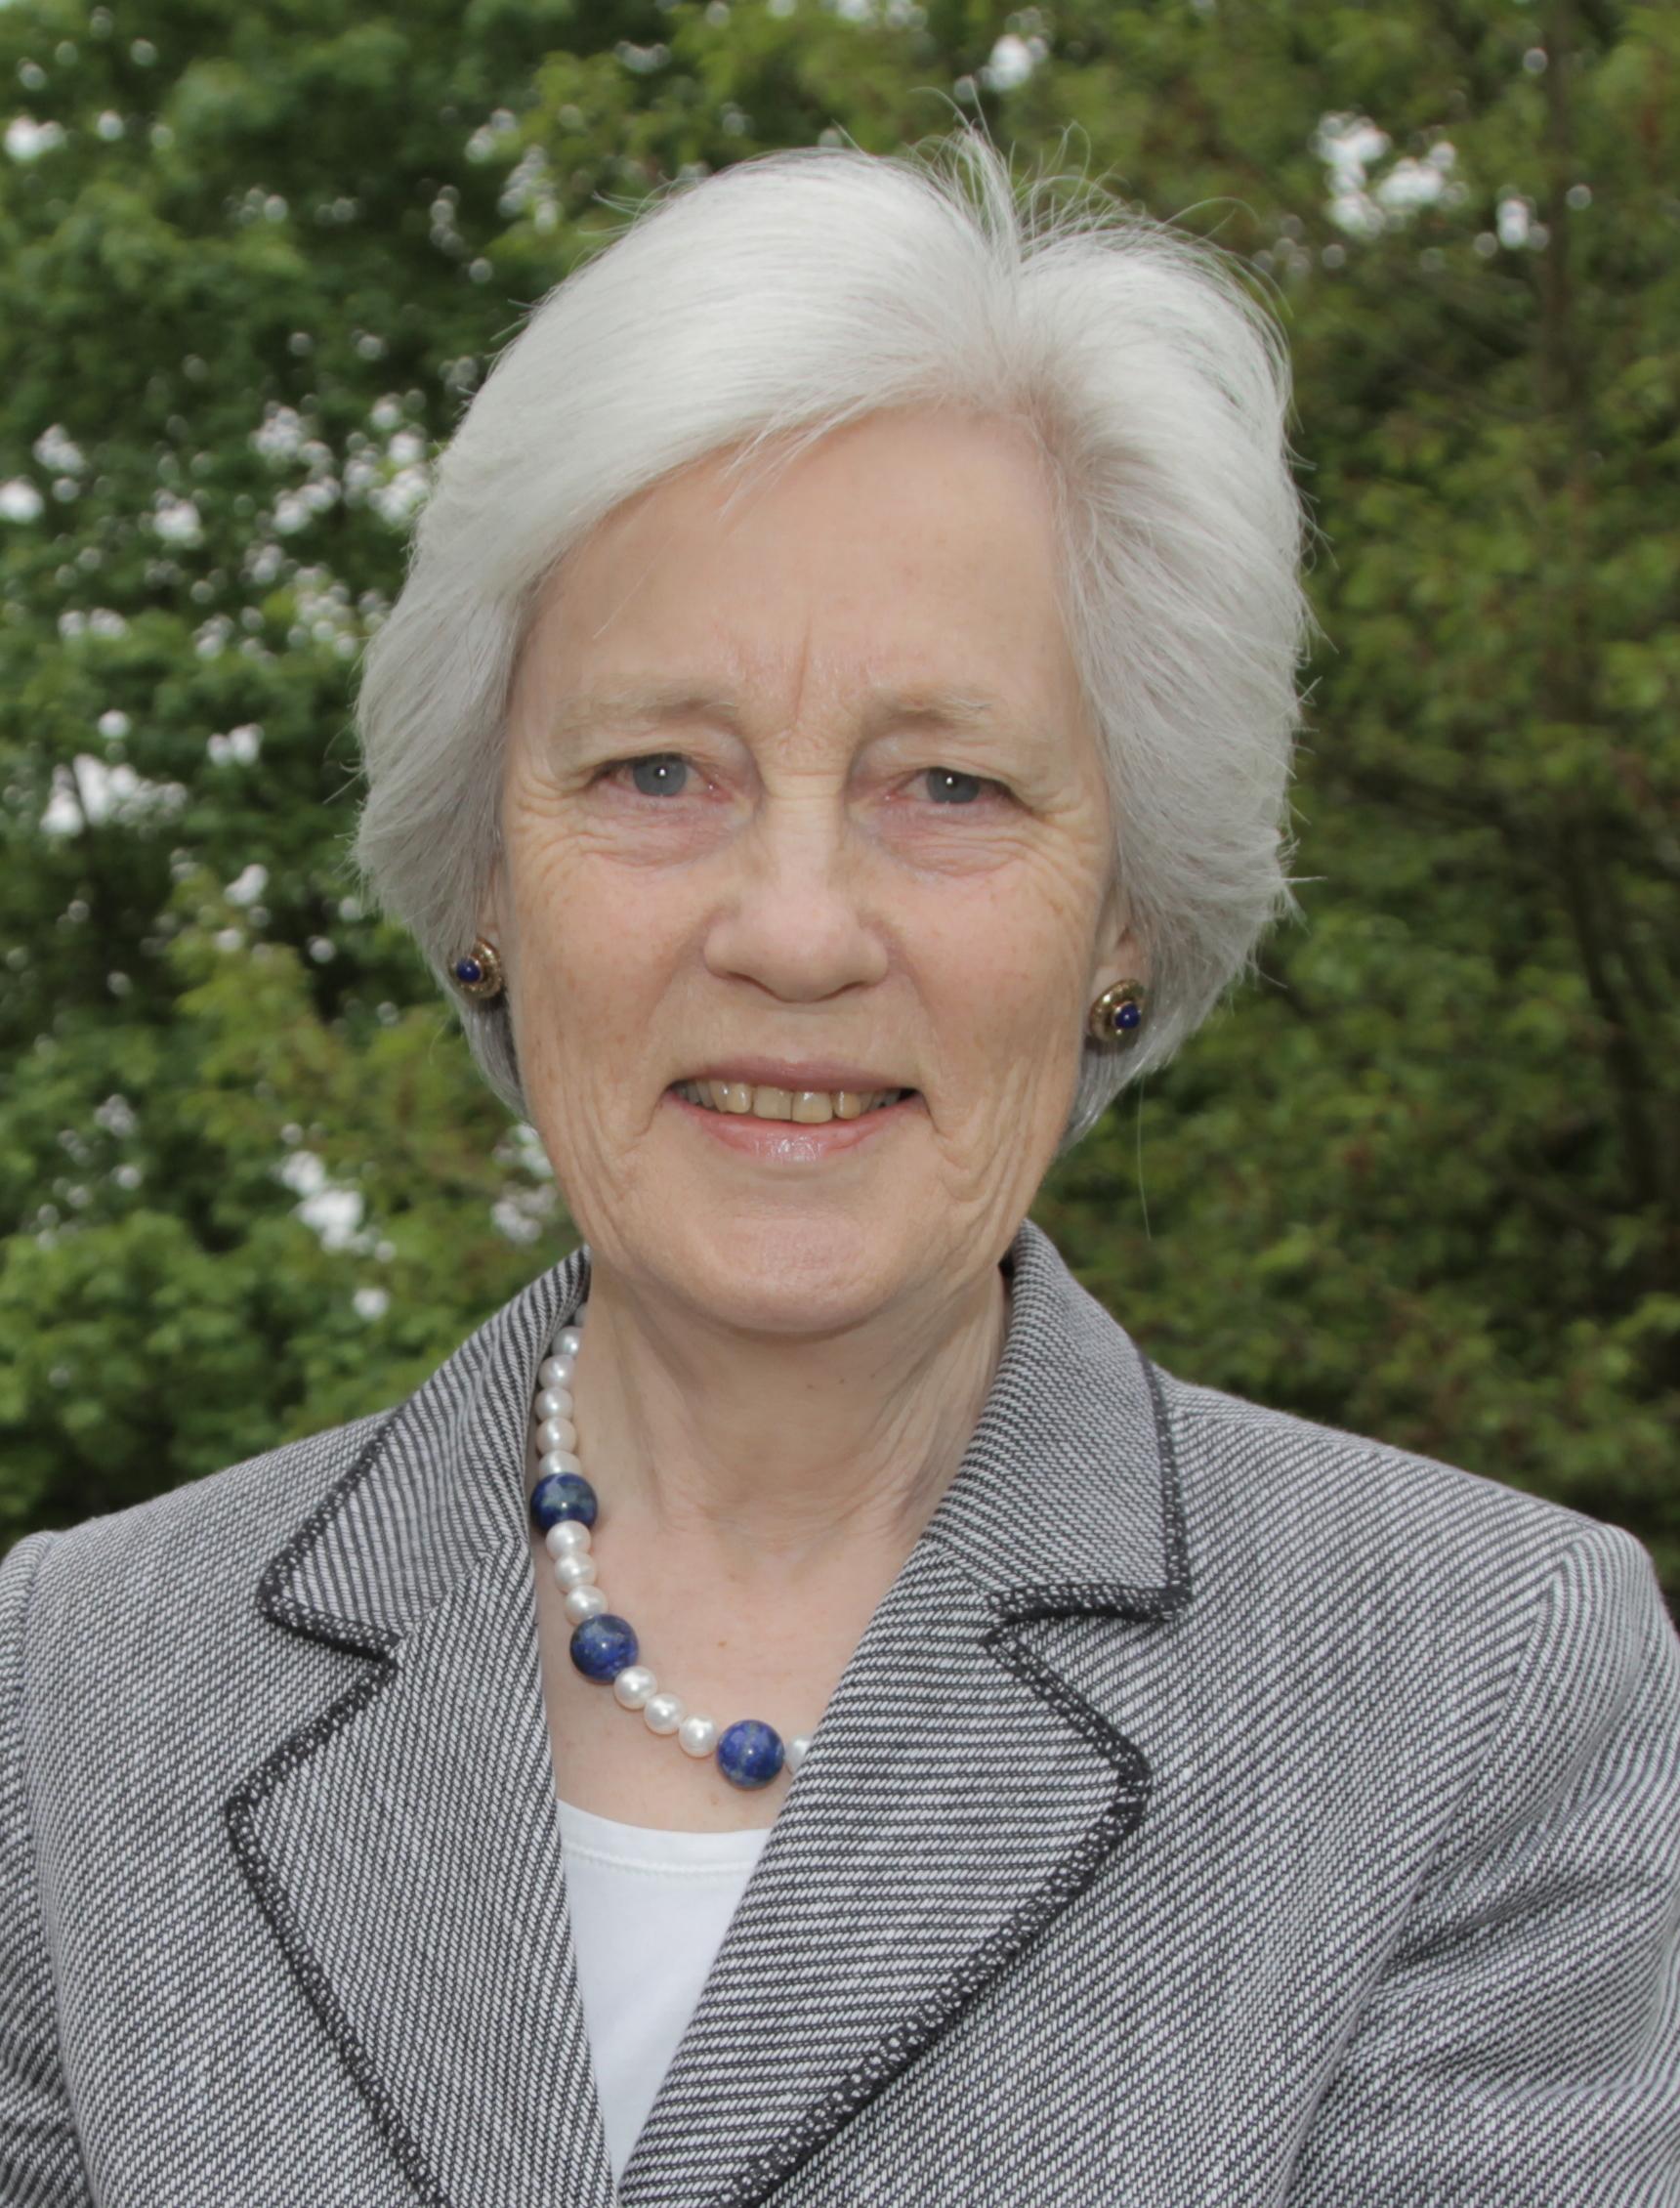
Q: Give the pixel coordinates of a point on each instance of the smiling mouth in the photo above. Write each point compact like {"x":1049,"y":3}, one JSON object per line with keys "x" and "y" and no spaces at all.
{"x":801,"y":1107}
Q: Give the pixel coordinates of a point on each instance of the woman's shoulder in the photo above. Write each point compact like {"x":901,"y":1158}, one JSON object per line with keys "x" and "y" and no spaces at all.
{"x":1365,"y":1520}
{"x":1414,"y":1597}
{"x":186,"y":1560}
{"x":146,"y":1625}
{"x":250,"y":1509}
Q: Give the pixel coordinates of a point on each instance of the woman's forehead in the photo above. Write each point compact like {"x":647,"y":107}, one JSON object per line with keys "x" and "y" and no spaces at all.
{"x":889,"y":508}
{"x":899,"y":596}
{"x":637,"y":706}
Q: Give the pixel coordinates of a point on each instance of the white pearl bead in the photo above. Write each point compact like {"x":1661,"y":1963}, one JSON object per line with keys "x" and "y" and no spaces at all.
{"x":663,"y":1713}
{"x":555,"y":1434}
{"x":576,"y":1569}
{"x":584,"y":1603}
{"x":556,"y":1371}
{"x":696,"y":1736}
{"x":796,"y":1750}
{"x":559,"y":1460}
{"x":567,"y":1342}
{"x":635,"y":1686}
{"x":552,"y":1403}
{"x":566,"y":1538}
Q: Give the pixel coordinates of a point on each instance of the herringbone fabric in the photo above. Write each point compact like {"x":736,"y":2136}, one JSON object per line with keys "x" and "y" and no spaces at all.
{"x":1218,"y":1808}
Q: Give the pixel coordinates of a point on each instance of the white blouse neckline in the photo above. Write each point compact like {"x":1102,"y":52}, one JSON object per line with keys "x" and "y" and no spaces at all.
{"x":651,"y":1848}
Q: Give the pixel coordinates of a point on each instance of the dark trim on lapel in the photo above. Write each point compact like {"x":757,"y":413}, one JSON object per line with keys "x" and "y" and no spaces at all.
{"x":382,"y":1837}
{"x":919,"y":2031}
{"x":274,"y":1598}
{"x":240,"y":1811}
{"x":1063,"y":1598}
{"x":1006,"y":1643}
{"x":1066,"y":1507}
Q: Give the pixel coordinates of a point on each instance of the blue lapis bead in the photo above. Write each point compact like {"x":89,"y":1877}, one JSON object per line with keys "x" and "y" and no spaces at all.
{"x":602,"y":1647}
{"x":1128,"y":1015}
{"x":749,"y":1754}
{"x":469,"y":969}
{"x":563,"y":1495}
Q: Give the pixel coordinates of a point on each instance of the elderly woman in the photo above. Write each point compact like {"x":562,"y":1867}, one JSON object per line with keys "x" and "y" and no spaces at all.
{"x":798,"y":1708}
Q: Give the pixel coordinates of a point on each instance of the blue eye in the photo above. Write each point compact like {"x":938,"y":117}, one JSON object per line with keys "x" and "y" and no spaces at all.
{"x":654,"y":775}
{"x":952,"y":787}
{"x":661,"y":774}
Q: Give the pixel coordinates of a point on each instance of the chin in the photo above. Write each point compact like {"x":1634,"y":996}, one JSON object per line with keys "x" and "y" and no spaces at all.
{"x":790,"y":1274}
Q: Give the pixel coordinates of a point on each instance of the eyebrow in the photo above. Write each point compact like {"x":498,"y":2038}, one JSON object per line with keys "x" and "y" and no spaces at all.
{"x":656,"y":704}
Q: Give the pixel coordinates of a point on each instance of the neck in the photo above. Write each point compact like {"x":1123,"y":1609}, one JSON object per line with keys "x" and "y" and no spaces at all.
{"x":787,"y":1455}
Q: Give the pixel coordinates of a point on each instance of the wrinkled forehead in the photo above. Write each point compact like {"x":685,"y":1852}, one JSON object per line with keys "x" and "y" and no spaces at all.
{"x":900,"y":570}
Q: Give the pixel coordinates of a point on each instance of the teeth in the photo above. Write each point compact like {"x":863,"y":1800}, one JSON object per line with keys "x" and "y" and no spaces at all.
{"x":810,"y":1107}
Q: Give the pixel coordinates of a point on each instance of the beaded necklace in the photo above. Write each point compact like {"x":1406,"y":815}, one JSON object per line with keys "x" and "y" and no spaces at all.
{"x":604,"y":1647}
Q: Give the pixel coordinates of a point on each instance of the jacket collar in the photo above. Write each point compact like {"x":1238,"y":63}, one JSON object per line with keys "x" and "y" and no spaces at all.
{"x":1067,"y":1499}
{"x":403,"y":1842}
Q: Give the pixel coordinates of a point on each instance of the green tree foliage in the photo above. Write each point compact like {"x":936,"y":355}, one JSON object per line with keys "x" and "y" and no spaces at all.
{"x":1419,"y":1181}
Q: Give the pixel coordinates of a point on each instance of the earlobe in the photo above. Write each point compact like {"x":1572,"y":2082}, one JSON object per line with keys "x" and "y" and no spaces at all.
{"x":1117,"y":1015}
{"x":1121,"y":999}
{"x":479,"y":971}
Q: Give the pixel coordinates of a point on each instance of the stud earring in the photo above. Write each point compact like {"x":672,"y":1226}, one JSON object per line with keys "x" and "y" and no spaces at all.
{"x":479,"y":975}
{"x":1116,"y":1015}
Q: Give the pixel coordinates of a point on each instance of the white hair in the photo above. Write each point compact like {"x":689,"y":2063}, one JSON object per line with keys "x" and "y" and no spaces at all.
{"x":804,"y":290}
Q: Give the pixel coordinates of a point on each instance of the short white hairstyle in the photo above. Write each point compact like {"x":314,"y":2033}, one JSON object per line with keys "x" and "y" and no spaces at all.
{"x":804,"y":290}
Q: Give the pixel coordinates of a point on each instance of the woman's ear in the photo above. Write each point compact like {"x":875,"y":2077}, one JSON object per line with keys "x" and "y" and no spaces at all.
{"x":489,"y":922}
{"x":1121,"y":953}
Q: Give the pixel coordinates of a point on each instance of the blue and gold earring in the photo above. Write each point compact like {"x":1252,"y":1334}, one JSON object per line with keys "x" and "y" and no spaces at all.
{"x":1117,"y":1013}
{"x":479,"y":975}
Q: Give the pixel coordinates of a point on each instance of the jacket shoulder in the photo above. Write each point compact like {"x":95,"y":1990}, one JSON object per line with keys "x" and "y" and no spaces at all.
{"x":1349,"y":1495}
{"x":1406,"y":1582}
{"x":243,"y":1511}
{"x":161,"y":1601}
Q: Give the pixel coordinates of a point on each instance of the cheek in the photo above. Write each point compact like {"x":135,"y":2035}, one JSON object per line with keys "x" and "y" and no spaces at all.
{"x":1009,"y":1026}
{"x":1016,"y":955}
{"x":596,"y":954}
{"x":586,"y":933}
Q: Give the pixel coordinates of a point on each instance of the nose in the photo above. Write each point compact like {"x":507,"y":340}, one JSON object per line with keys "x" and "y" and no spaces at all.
{"x":794,"y":901}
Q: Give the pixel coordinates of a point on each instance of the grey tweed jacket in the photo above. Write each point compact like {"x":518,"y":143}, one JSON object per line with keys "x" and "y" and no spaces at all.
{"x":1218,"y":1808}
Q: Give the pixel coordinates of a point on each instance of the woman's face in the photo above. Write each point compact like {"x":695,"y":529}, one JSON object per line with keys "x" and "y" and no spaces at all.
{"x":862,"y":822}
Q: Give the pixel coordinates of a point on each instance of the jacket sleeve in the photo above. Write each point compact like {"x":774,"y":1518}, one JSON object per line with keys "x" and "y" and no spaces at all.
{"x":1522,"y":2043}
{"x":40,"y":2158}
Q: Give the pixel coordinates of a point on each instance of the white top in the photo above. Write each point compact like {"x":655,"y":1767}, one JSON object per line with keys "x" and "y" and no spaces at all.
{"x":649,"y":1913}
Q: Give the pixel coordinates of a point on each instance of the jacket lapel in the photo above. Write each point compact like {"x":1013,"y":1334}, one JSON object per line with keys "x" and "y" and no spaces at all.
{"x":959,"y":1793}
{"x":404,"y":1844}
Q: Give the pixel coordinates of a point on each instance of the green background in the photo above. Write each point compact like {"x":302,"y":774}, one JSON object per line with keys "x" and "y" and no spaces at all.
{"x":1419,"y":1181}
